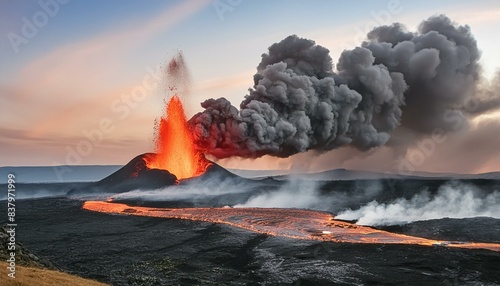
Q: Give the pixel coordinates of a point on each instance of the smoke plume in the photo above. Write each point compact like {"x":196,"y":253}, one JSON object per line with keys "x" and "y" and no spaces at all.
{"x":293,"y":194}
{"x":396,"y":77}
{"x":439,"y":63}
{"x":308,"y":194}
{"x":452,"y":200}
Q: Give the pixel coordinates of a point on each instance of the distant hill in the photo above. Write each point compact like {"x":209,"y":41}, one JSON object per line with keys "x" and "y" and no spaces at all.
{"x":343,"y":174}
{"x":54,"y":174}
{"x":258,"y":173}
{"x":92,"y":173}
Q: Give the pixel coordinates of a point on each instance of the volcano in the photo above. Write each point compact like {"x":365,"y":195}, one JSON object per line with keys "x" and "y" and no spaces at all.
{"x":176,"y":158}
{"x":138,"y":175}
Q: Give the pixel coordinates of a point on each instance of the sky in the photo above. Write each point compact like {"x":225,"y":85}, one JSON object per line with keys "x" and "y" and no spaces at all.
{"x":74,"y":72}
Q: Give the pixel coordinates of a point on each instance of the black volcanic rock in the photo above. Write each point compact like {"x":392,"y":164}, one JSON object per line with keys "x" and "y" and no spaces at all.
{"x":132,"y":250}
{"x":134,"y":175}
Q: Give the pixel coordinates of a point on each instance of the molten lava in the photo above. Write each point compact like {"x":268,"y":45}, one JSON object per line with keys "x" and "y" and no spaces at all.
{"x":175,"y":147}
{"x":292,"y":223}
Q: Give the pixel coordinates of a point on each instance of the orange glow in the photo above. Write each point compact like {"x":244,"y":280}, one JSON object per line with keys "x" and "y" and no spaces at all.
{"x":292,"y":223}
{"x":176,"y":151}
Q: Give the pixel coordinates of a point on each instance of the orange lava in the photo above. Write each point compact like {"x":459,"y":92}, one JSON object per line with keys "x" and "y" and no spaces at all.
{"x":292,"y":223}
{"x":175,"y":148}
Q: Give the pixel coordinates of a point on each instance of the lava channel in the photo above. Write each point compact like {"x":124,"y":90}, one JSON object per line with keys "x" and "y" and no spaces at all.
{"x":292,"y":223}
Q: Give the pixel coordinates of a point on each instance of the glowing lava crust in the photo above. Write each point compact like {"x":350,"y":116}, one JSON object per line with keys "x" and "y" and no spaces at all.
{"x":292,"y":223}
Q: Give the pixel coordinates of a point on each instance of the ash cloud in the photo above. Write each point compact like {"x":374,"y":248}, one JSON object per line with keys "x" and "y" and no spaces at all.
{"x":487,"y":97}
{"x":298,"y":103}
{"x":417,"y":80}
{"x":453,"y":200}
{"x":440,"y":64}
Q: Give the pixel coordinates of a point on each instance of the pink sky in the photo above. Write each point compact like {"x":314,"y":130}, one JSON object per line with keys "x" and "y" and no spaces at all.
{"x":53,"y":96}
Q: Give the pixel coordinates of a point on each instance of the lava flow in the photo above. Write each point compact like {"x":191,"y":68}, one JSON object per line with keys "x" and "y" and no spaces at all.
{"x":175,"y":148}
{"x":292,"y":223}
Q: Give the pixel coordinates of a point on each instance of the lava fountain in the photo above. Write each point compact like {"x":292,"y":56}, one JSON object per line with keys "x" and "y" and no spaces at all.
{"x":175,"y":147}
{"x":292,"y":223}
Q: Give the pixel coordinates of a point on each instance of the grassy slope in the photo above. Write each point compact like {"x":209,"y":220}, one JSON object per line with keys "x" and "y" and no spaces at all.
{"x":28,"y":276}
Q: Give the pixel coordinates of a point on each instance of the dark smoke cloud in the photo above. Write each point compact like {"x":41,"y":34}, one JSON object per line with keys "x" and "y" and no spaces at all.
{"x":298,"y":103}
{"x":487,"y":97}
{"x":439,"y":64}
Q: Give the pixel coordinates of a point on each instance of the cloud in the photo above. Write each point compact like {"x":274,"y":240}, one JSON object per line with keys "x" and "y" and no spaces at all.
{"x":54,"y":148}
{"x":71,"y":88}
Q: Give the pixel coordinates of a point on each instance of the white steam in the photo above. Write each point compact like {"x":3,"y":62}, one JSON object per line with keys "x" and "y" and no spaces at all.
{"x":451,"y":201}
{"x":294,"y":194}
{"x":193,"y":192}
{"x":307,"y":194}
